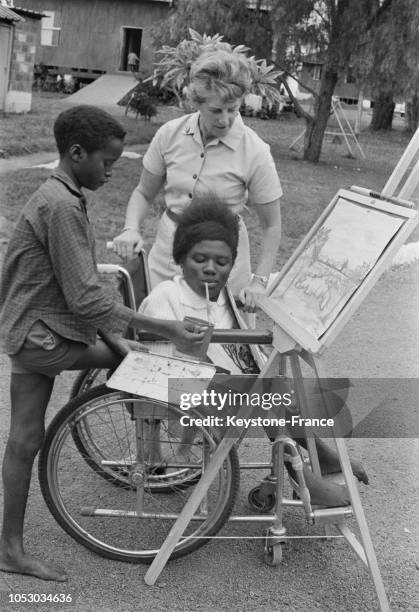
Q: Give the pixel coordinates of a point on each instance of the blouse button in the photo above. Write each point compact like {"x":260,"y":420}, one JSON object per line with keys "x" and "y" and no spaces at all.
{"x":189,"y":195}
{"x":195,"y":176}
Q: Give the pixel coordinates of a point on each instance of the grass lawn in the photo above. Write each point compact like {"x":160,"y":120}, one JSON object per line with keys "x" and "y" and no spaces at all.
{"x":32,"y":132}
{"x":307,"y":187}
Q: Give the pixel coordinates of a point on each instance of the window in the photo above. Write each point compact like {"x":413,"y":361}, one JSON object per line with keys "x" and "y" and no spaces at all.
{"x":317,"y":72}
{"x":50,"y":35}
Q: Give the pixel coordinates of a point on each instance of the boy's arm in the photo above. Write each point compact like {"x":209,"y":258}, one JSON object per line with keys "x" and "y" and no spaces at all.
{"x":71,"y":253}
{"x":71,"y":250}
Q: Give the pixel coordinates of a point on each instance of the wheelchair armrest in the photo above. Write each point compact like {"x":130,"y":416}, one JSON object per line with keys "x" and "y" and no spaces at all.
{"x":220,"y":336}
{"x":242,"y":336}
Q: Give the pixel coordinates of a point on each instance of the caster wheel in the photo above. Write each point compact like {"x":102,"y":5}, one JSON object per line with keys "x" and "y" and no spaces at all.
{"x":260,"y":501}
{"x":273,"y":554}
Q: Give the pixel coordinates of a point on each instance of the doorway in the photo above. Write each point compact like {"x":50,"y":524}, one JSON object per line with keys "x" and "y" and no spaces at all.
{"x":5,"y":50}
{"x":131,"y":43}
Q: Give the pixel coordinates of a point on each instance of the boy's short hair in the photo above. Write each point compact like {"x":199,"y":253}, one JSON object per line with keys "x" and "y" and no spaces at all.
{"x":85,"y":125}
{"x":206,"y":218}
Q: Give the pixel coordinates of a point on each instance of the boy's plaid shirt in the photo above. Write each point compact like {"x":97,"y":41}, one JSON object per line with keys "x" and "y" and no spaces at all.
{"x":50,"y":274}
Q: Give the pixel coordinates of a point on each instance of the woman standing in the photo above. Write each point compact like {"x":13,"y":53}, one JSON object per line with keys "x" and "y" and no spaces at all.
{"x":209,"y":150}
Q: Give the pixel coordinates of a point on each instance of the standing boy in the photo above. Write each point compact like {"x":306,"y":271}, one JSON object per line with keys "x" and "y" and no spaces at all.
{"x":53,"y":305}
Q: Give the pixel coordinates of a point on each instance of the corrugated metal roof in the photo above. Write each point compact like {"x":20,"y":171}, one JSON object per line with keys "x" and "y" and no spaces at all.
{"x":21,"y":10}
{"x":9,"y":15}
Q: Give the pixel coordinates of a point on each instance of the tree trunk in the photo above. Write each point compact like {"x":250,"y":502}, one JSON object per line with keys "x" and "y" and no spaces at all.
{"x":313,"y":138}
{"x":382,"y":113}
{"x":412,"y":113}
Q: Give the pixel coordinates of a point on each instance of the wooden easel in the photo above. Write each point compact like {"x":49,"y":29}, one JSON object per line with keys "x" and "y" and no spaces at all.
{"x":405,"y":177}
{"x":285,"y":346}
{"x":345,"y":130}
{"x":293,"y":341}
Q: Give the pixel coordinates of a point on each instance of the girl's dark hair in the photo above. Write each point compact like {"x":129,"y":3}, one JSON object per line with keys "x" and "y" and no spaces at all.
{"x":206,"y":218}
{"x":88,"y":126}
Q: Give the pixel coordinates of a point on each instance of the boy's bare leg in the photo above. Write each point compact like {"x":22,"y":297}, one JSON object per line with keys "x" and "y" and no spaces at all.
{"x":30,"y":394}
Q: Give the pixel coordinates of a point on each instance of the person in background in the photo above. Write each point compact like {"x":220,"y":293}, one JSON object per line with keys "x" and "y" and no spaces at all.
{"x":133,"y":61}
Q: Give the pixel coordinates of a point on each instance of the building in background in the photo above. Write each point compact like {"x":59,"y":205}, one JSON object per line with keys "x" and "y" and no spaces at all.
{"x":87,"y":38}
{"x":20,"y":31}
{"x":347,"y":89}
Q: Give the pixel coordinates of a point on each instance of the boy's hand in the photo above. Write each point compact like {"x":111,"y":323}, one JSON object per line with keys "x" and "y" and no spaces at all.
{"x":120,"y":346}
{"x":124,"y":346}
{"x":133,"y":345}
{"x":186,"y":336}
{"x":128,"y":243}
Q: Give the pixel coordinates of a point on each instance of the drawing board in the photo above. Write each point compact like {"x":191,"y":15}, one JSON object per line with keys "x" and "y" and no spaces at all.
{"x":335,"y":266}
{"x":149,"y":375}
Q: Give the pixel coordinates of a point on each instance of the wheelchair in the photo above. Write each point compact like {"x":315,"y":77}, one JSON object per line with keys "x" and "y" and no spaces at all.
{"x":104,"y":488}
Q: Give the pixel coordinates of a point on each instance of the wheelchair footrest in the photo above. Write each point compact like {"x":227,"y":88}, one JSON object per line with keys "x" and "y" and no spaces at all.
{"x":323,"y":516}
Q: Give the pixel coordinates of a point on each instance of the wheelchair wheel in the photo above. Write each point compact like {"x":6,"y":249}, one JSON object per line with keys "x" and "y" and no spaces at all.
{"x":130,"y":523}
{"x":84,"y":431}
{"x":86,"y":379}
{"x":87,"y":434}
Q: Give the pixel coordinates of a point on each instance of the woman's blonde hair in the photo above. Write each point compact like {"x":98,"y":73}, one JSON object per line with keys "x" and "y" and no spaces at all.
{"x":221,"y":72}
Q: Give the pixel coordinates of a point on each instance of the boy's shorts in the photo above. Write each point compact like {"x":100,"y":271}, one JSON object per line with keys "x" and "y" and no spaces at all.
{"x":45,"y":352}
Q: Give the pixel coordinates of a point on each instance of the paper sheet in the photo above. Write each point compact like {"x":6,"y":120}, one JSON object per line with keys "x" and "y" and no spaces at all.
{"x":148,"y":374}
{"x":334,"y":263}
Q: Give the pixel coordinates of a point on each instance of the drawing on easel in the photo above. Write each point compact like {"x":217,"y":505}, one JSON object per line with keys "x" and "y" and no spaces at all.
{"x":336,"y":266}
{"x":332,"y":265}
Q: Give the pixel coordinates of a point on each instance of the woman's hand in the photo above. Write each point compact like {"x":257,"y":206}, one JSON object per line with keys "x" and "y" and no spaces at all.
{"x":128,"y":243}
{"x":249,"y":295}
{"x":186,"y":336}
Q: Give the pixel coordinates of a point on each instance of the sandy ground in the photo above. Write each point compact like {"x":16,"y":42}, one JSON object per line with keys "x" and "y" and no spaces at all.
{"x":378,"y":350}
{"x":380,"y":342}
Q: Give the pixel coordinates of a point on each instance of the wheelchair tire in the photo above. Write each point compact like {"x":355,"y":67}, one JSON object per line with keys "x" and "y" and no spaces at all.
{"x":86,"y":379}
{"x":108,"y":520}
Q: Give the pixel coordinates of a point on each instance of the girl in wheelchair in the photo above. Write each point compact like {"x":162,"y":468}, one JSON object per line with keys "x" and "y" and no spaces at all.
{"x":205,"y":246}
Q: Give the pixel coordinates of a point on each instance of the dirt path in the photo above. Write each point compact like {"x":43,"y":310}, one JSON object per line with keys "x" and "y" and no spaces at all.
{"x":379,"y":344}
{"x":19,"y":162}
{"x":380,"y":341}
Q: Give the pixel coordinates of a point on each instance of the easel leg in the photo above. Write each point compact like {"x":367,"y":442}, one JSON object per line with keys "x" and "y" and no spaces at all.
{"x":201,"y":488}
{"x":356,"y":507}
{"x":188,"y":511}
{"x":304,"y":409}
